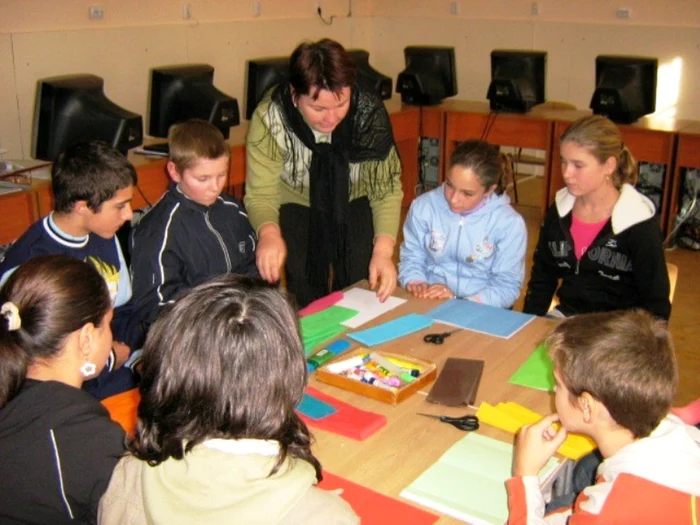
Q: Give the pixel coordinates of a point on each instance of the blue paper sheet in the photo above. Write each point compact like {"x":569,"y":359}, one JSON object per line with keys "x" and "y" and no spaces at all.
{"x":314,"y":408}
{"x":404,"y":325}
{"x":480,"y":317}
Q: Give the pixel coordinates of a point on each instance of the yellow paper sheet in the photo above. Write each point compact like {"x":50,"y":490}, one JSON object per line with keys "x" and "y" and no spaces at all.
{"x":511,"y":416}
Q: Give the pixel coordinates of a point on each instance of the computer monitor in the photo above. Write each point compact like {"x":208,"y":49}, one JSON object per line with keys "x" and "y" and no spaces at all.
{"x":625,"y":87}
{"x":263,"y":73}
{"x":517,"y":80}
{"x":430,"y":75}
{"x":74,"y":107}
{"x":183,"y":92}
{"x":368,"y":77}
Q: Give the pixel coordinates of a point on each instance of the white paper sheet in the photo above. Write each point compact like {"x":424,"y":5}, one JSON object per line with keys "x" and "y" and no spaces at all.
{"x":366,"y":302}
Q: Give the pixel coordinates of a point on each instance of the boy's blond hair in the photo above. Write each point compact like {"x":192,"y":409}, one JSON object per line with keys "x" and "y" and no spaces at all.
{"x":195,"y":139}
{"x":624,"y":359}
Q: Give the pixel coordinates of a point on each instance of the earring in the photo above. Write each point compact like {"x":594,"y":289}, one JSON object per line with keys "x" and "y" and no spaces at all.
{"x":88,"y":369}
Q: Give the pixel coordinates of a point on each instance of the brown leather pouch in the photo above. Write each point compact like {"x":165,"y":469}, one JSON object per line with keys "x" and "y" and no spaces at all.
{"x":457,"y":382}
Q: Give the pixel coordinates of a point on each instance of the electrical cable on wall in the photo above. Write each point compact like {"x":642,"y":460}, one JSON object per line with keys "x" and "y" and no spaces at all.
{"x":332,"y":17}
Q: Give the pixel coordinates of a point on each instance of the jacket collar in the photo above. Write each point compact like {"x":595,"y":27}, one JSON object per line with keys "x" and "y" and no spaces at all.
{"x":631,"y":208}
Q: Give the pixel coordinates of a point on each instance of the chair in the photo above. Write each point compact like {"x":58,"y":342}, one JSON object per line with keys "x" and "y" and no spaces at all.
{"x":672,"y":270}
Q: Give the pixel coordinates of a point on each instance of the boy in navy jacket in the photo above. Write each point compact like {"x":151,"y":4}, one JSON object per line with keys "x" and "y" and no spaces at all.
{"x":193,"y":233}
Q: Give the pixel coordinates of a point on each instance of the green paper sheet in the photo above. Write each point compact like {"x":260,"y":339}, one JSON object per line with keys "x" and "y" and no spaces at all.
{"x":468,"y":481}
{"x":322,"y":326}
{"x":537,"y":372}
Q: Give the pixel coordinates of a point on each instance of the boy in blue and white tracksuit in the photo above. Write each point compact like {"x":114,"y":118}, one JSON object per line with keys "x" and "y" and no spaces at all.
{"x":479,"y":254}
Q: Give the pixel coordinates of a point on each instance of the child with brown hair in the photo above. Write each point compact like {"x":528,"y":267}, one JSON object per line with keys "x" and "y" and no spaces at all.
{"x":194,"y":232}
{"x":615,"y":377}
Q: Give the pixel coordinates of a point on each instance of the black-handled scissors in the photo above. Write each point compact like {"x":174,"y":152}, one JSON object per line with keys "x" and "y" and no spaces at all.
{"x":438,"y":339}
{"x":466,"y":423}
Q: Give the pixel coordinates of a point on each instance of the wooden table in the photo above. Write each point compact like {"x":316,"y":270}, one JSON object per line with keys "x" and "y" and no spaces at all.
{"x":396,"y":455}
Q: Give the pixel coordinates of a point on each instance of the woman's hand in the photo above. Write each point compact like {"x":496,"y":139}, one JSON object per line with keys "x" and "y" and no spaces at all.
{"x":382,"y":270}
{"x":271,"y":252}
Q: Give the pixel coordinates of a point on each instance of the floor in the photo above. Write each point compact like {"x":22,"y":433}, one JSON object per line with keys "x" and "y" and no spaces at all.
{"x":685,"y":321}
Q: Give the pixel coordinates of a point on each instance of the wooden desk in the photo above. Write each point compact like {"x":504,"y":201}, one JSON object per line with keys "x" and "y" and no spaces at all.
{"x":396,"y":455}
{"x":651,"y":139}
{"x":687,"y":156}
{"x":19,"y":210}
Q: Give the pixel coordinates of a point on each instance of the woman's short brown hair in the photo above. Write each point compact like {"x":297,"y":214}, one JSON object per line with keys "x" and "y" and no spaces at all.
{"x":320,"y":65}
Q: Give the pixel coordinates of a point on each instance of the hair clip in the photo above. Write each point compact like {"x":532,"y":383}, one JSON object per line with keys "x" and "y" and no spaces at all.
{"x":10,"y":311}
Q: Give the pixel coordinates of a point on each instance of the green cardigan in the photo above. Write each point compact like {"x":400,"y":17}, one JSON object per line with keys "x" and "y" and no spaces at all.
{"x":268,"y":186}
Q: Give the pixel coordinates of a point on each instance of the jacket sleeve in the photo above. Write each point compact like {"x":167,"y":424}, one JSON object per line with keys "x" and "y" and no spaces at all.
{"x":508,"y":268}
{"x":413,"y":258}
{"x":544,"y":273}
{"x":263,"y":172}
{"x":526,"y":504}
{"x":386,"y":211}
{"x":158,"y":272}
{"x":649,"y":267}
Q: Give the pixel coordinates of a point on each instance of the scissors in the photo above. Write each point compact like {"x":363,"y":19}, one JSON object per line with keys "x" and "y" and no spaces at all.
{"x":438,"y":339}
{"x":465,"y":423}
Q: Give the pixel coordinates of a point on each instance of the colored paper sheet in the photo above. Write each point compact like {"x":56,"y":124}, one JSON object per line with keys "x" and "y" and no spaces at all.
{"x":375,"y":508}
{"x":481,"y":318}
{"x":404,"y":325}
{"x":322,"y":326}
{"x":348,"y":421}
{"x":367,"y":304}
{"x":511,"y":416}
{"x":314,"y":408}
{"x":537,"y":372}
{"x":122,"y":409}
{"x":320,"y":304}
{"x":468,"y":481}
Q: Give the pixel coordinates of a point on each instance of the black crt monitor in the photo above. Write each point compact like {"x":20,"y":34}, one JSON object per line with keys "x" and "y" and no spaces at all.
{"x":74,"y":107}
{"x":262,"y":74}
{"x":625,"y":87}
{"x":517,"y":80}
{"x":430,"y":75}
{"x":184,"y":92}
{"x":368,"y":77}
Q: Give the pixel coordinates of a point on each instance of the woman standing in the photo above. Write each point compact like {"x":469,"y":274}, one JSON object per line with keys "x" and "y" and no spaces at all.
{"x":323,"y":188}
{"x":601,"y":237}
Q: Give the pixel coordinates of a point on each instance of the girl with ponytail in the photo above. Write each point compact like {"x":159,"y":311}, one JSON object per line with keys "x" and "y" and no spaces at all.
{"x":464,"y":239}
{"x":600,"y":246}
{"x":58,"y":446}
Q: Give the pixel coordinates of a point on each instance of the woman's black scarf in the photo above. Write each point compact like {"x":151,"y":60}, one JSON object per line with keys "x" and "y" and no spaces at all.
{"x":363,"y":136}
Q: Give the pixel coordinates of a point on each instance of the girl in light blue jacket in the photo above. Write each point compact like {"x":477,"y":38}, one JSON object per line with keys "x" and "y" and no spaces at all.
{"x":464,"y":239}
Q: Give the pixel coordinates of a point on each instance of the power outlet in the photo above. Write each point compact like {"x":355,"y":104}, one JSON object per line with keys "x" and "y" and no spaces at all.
{"x":186,"y":11}
{"x":454,"y":8}
{"x":623,"y":13}
{"x":535,"y":9}
{"x":257,"y":8}
{"x":95,"y":12}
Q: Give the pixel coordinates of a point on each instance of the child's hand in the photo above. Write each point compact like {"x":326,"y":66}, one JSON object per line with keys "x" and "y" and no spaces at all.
{"x":270,"y":253}
{"x":417,"y":288}
{"x":536,"y":444}
{"x":121,"y":353}
{"x":438,"y":291}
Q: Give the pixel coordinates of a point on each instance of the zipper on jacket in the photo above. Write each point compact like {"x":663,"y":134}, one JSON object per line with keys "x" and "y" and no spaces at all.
{"x":221,"y":242}
{"x":459,"y":262}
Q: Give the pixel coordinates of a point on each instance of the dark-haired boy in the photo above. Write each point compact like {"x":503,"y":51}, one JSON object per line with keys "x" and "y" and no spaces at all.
{"x":194,"y":232}
{"x":616,"y":377}
{"x":92,"y":185}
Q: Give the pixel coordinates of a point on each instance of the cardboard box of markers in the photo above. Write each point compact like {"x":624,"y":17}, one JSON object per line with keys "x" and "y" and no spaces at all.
{"x":383,"y":376}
